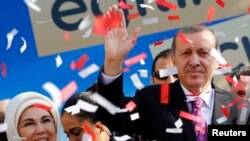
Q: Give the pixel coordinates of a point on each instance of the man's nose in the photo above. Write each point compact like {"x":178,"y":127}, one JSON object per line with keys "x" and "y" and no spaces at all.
{"x":194,"y":60}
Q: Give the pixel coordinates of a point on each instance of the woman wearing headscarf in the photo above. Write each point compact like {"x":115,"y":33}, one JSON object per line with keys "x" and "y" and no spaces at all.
{"x":31,"y":116}
{"x":74,"y":123}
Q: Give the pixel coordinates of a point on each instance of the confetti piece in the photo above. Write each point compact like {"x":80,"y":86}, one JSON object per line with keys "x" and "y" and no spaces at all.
{"x":85,"y":23}
{"x":54,"y":92}
{"x":130,"y":106}
{"x":73,"y":65}
{"x":223,"y":70}
{"x":151,"y":1}
{"x":68,"y":90}
{"x":167,"y":4}
{"x":3,"y":127}
{"x":66,"y":36}
{"x":124,"y":110}
{"x":87,"y":106}
{"x":88,"y":71}
{"x":149,"y":21}
{"x":231,"y":81}
{"x":88,"y":130}
{"x":143,"y":73}
{"x":189,"y":116}
{"x":87,"y":33}
{"x":174,"y":130}
{"x":224,"y":111}
{"x":42,"y":22}
{"x":24,"y":46}
{"x":220,"y":3}
{"x":122,"y":138}
{"x":100,"y":26}
{"x":158,"y":43}
{"x":4,"y":69}
{"x":174,"y":17}
{"x":243,"y":114}
{"x":32,"y":5}
{"x":218,"y":56}
{"x":236,"y":39}
{"x":184,"y":39}
{"x":110,"y":107}
{"x":82,"y":61}
{"x":136,"y":81}
{"x":248,"y":10}
{"x":135,"y":59}
{"x":134,"y":116}
{"x":74,"y":109}
{"x":58,"y":61}
{"x":42,"y":106}
{"x":164,"y":94}
{"x":178,"y":123}
{"x":142,"y":62}
{"x":86,"y":137}
{"x":221,"y":119}
{"x":133,"y":16}
{"x":147,"y":6}
{"x":124,"y":5}
{"x":211,"y":14}
{"x":10,"y":37}
{"x":167,"y":72}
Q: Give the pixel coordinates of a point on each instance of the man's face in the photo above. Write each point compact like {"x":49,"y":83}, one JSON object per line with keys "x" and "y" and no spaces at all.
{"x":164,"y":63}
{"x":194,"y":62}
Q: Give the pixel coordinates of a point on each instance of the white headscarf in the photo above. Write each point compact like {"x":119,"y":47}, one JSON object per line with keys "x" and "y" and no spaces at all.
{"x":18,"y":104}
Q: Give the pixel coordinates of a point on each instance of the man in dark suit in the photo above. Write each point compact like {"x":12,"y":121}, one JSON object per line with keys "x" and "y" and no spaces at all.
{"x":161,"y":107}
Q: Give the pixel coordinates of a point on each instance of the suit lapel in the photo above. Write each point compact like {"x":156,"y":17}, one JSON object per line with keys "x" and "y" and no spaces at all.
{"x":177,"y":103}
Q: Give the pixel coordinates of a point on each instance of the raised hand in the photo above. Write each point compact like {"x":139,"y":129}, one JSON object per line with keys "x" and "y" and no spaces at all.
{"x":118,"y":43}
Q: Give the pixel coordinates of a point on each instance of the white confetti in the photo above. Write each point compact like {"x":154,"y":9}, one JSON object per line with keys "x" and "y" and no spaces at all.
{"x":74,"y":109}
{"x":147,"y":6}
{"x":236,"y":39}
{"x":124,"y":110}
{"x":178,"y":123}
{"x":151,"y":1}
{"x":174,"y":130}
{"x":136,"y":81}
{"x":3,"y":127}
{"x":86,"y":106}
{"x":87,"y":33}
{"x":85,"y":23}
{"x":58,"y":61}
{"x":86,"y":137}
{"x":24,"y":46}
{"x":122,"y":138}
{"x":42,"y":22}
{"x":134,"y":116}
{"x":149,"y":21}
{"x":243,"y":115}
{"x":143,"y":73}
{"x":32,"y":5}
{"x":111,"y":108}
{"x":10,"y":37}
{"x":88,"y":71}
{"x":167,"y":72}
{"x":54,"y":92}
{"x":142,"y":62}
{"x":218,"y":56}
{"x":221,"y":119}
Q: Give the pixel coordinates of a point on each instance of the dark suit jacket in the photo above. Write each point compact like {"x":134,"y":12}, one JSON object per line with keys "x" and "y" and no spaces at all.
{"x":155,"y":117}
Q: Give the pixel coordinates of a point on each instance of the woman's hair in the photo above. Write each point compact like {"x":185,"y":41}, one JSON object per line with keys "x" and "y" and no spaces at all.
{"x":18,"y":104}
{"x":82,"y":115}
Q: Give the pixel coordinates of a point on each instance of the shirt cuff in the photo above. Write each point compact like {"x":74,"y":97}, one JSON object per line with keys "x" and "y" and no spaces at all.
{"x":105,"y":79}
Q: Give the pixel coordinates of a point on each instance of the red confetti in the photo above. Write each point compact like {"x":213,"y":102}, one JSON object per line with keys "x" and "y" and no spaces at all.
{"x":66,"y":36}
{"x":68,"y":90}
{"x":211,"y":13}
{"x":114,"y":20}
{"x":248,"y":10}
{"x":100,"y":26}
{"x":133,"y":16}
{"x":242,"y":105}
{"x":224,"y":111}
{"x":4,"y":69}
{"x":130,"y":106}
{"x":73,"y":65}
{"x":158,"y":43}
{"x":189,"y":116}
{"x":81,"y":61}
{"x":175,"y":17}
{"x":88,"y":130}
{"x":124,"y":5}
{"x":126,"y":70}
{"x":136,"y":59}
{"x":232,"y":82}
{"x":167,"y":4}
{"x":220,"y":3}
{"x":184,"y":39}
{"x":164,"y":93}
{"x":47,"y":108}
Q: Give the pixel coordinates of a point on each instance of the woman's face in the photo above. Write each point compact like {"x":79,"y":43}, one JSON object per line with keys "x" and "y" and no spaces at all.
{"x":74,"y":129}
{"x":36,"y":124}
